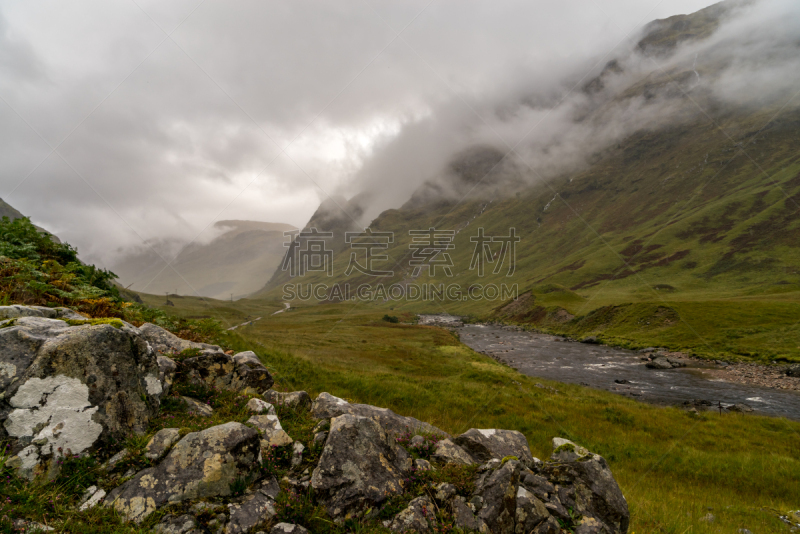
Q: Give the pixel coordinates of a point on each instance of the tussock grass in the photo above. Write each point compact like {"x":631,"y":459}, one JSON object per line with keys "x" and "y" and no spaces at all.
{"x":674,"y":467}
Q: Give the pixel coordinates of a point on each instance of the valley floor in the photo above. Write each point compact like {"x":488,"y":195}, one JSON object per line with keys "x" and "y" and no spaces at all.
{"x":681,"y":472}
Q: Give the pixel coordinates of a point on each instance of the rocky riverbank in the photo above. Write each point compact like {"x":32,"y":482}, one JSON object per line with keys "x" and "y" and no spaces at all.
{"x":774,"y":376}
{"x":653,"y":375}
{"x":768,"y":376}
{"x":73,"y":389}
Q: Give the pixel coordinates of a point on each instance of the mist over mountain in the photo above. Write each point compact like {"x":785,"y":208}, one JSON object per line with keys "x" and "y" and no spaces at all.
{"x":673,"y":164}
{"x":127,"y":124}
{"x":235,"y":263}
{"x":731,"y":56}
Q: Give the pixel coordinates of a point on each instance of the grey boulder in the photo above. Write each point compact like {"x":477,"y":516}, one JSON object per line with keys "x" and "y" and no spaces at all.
{"x":360,"y":467}
{"x":202,"y":464}
{"x":659,"y":363}
{"x":72,"y":388}
{"x":166,"y":372}
{"x":166,"y":342}
{"x":327,"y":406}
{"x":217,"y":369}
{"x":298,"y":400}
{"x":532,"y":515}
{"x":419,"y":516}
{"x":485,"y":444}
{"x":584,"y":482}
{"x":271,"y":431}
{"x":463,"y":516}
{"x":17,"y":310}
{"x":195,"y":407}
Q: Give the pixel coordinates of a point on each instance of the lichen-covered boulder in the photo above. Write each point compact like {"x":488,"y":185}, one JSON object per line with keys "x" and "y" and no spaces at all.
{"x":202,"y":464}
{"x":327,"y":406}
{"x":255,"y":509}
{"x":217,"y":369}
{"x":584,"y":483}
{"x":259,"y":406}
{"x":360,"y":467}
{"x":271,"y":431}
{"x":419,"y":516}
{"x":448,"y":452}
{"x":166,"y":342}
{"x":484,"y":444}
{"x":68,"y":389}
{"x":251,"y":373}
{"x":299,"y":400}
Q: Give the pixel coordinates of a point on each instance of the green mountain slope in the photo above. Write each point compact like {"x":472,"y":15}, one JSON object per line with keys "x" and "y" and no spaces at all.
{"x":695,"y":218}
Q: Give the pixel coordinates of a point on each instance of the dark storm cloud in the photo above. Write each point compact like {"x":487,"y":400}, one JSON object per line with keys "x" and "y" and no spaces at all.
{"x":158,"y":137}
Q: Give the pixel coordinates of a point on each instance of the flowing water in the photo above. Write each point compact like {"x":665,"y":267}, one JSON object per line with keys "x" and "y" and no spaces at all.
{"x":600,"y":367}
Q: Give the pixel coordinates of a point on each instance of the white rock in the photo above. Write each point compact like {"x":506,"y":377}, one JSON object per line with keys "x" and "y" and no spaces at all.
{"x":259,"y":406}
{"x":59,"y":407}
{"x":94,"y":500}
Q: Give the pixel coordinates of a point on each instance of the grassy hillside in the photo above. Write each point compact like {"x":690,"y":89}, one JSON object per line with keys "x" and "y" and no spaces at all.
{"x":681,"y":219}
{"x":685,"y":234}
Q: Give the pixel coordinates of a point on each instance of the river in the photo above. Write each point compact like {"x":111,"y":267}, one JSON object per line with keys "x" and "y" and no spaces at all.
{"x":617,"y":370}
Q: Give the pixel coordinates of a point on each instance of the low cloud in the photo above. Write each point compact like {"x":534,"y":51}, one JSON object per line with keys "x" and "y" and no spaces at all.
{"x":157,"y":138}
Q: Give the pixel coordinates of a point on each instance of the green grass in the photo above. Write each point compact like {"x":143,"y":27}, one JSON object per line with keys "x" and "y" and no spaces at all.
{"x":672,"y":466}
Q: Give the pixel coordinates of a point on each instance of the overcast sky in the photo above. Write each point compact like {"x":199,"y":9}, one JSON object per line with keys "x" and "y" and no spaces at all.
{"x":124,"y":121}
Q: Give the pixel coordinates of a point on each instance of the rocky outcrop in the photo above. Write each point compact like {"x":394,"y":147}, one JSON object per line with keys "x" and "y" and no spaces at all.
{"x":68,"y":389}
{"x":327,"y":406}
{"x":584,"y":483}
{"x":360,"y":467}
{"x":498,"y":491}
{"x":202,"y":464}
